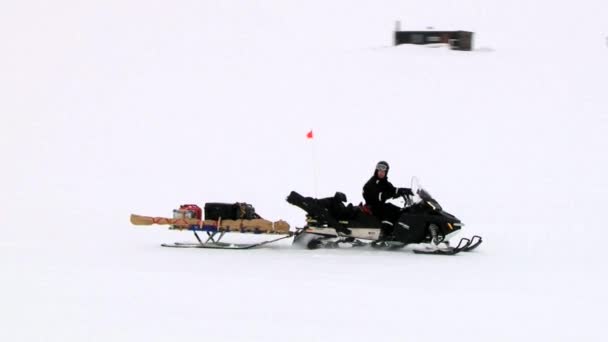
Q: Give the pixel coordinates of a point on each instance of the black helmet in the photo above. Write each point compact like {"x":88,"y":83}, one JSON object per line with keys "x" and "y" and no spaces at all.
{"x":382,"y":165}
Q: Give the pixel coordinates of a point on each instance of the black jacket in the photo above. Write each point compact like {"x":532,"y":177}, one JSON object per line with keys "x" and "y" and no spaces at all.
{"x":376,"y":191}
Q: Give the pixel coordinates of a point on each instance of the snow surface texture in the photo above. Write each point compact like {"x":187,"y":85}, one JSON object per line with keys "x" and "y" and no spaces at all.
{"x":128,"y":107}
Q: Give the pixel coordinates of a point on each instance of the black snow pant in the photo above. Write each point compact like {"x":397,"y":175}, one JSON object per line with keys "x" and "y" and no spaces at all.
{"x":388,"y":214}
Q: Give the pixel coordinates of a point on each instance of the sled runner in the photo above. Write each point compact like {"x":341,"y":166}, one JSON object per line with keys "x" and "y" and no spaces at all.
{"x":240,"y":218}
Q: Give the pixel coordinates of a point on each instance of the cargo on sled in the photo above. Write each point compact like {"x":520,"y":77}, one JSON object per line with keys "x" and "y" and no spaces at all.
{"x":219,"y":219}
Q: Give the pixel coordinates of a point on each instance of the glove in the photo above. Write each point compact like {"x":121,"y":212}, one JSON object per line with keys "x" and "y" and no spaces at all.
{"x":404,"y":192}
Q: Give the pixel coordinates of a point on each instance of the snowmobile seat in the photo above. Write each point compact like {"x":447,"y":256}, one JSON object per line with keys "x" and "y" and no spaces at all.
{"x":332,"y":212}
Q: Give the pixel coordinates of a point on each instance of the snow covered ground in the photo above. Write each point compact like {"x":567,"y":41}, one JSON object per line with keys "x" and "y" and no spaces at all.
{"x":128,"y":107}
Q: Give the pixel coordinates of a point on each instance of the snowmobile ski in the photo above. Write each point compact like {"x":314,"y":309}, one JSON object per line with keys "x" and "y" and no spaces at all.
{"x":476,"y":240}
{"x":462,"y":244}
{"x":473,"y":243}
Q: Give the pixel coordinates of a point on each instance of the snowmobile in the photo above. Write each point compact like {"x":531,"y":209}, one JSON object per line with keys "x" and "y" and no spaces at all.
{"x":422,"y":223}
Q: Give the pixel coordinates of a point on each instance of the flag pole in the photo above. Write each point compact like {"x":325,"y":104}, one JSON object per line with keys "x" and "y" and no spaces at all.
{"x":315,"y":176}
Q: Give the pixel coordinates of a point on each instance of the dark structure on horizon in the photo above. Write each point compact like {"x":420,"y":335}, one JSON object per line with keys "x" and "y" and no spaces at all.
{"x":457,"y":40}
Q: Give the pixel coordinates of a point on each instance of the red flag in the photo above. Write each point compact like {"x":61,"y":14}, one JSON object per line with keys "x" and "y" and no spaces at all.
{"x":309,"y":135}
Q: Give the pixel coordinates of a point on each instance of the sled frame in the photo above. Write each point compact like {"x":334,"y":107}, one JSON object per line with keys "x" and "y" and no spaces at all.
{"x":210,"y":236}
{"x":215,"y":243}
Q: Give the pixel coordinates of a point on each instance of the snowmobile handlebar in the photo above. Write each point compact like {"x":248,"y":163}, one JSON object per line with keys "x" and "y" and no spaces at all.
{"x":407,"y":199}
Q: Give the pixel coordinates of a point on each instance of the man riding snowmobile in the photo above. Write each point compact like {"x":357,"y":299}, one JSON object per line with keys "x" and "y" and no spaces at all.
{"x":376,"y":191}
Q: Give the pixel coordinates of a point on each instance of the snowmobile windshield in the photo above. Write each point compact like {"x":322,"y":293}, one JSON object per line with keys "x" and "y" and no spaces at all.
{"x":416,"y":187}
{"x":422,"y":195}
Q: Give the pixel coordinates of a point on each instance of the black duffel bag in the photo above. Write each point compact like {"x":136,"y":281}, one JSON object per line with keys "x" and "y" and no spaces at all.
{"x":230,"y":211}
